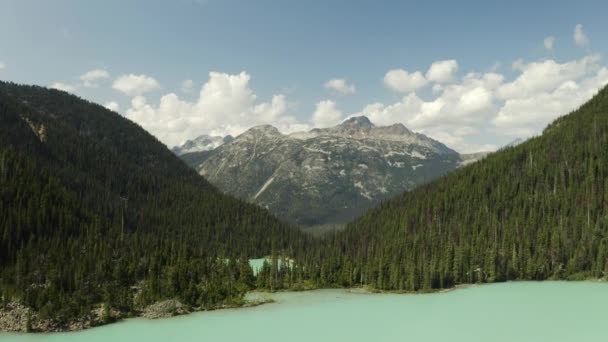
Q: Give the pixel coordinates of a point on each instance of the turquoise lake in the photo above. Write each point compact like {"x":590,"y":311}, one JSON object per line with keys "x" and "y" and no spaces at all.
{"x":522,"y":311}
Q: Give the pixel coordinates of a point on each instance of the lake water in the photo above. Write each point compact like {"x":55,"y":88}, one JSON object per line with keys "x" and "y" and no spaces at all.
{"x":257,"y":264}
{"x":524,"y":311}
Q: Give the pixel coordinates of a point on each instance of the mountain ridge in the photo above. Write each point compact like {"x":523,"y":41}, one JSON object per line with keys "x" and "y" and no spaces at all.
{"x":202,"y":143}
{"x":324,"y":175}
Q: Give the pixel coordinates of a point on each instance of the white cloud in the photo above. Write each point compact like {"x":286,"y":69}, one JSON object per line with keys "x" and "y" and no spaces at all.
{"x":525,"y":116}
{"x":326,"y":114}
{"x":457,"y":138}
{"x":437,"y":88}
{"x":436,"y":119}
{"x":2,"y":65}
{"x":442,"y":71}
{"x":187,"y":86}
{"x":480,"y":106}
{"x":91,"y":78}
{"x":547,"y":75}
{"x":112,"y":105}
{"x":467,"y":113}
{"x":580,"y":38}
{"x":457,"y":103}
{"x":549,"y":42}
{"x":340,"y":86}
{"x":63,"y":86}
{"x":134,"y":85}
{"x":226,"y":105}
{"x":402,"y":81}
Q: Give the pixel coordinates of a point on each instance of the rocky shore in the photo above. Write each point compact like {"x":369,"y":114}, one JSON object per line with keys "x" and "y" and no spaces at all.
{"x":15,"y":317}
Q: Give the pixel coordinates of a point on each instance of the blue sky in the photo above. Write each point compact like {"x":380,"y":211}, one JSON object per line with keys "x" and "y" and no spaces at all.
{"x":289,"y":50}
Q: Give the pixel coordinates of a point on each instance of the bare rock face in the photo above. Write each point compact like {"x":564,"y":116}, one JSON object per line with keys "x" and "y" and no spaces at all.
{"x":201,"y":144}
{"x":38,"y":129}
{"x":167,"y":308}
{"x":15,"y":317}
{"x":329,"y":175}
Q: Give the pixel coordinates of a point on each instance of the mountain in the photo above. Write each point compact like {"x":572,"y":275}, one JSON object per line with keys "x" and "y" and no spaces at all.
{"x":324,"y":176}
{"x":535,"y":211}
{"x":201,"y":144}
{"x":99,"y":220}
{"x":94,"y":210}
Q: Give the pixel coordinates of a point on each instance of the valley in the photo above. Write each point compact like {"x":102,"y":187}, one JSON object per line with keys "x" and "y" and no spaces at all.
{"x":204,"y":170}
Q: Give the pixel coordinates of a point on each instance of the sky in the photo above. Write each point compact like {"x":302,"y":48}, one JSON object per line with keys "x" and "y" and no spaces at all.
{"x":474,"y":75}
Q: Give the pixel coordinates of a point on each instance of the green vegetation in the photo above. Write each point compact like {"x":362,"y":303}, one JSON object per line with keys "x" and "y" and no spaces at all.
{"x":532,"y":212}
{"x":95,"y":212}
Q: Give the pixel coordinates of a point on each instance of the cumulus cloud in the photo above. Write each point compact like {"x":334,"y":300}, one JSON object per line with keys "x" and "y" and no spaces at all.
{"x":442,"y":71}
{"x":135,"y":85}
{"x":446,"y":118}
{"x":340,"y":86}
{"x":326,"y":114}
{"x":187,"y":86}
{"x":458,"y":139}
{"x":466,"y":112}
{"x":547,"y":75}
{"x":548,"y":42}
{"x":525,"y":116}
{"x":90,"y":78}
{"x":226,"y":105}
{"x":63,"y":86}
{"x":580,"y":37}
{"x":402,"y":81}
{"x":112,"y":105}
{"x":456,"y":103}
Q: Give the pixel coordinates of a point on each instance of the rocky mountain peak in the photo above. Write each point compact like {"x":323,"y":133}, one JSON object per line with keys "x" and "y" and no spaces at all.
{"x":262,"y":130}
{"x":201,"y":143}
{"x":357,"y":127}
{"x":395,"y":129}
{"x":360,"y":122}
{"x":325,"y":175}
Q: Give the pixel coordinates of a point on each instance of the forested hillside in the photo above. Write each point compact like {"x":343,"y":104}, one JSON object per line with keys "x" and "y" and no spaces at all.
{"x":535,"y":211}
{"x":96,"y":210}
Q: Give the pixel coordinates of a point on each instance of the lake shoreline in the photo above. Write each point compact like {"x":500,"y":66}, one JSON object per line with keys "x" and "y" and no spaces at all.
{"x":14,"y":319}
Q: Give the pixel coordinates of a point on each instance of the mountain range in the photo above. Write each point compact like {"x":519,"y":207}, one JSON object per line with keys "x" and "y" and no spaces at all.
{"x":99,"y":220}
{"x":201,"y":143}
{"x":325,"y":176}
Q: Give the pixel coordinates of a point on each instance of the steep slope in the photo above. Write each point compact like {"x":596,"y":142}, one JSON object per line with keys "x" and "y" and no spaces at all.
{"x":93,"y":209}
{"x":201,"y":143}
{"x":325,"y":175}
{"x":535,"y":211}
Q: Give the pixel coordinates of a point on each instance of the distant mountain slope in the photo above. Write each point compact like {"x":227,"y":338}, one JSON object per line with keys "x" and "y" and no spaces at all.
{"x":93,"y":209}
{"x":535,"y":211}
{"x":325,"y":175}
{"x":201,"y":143}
